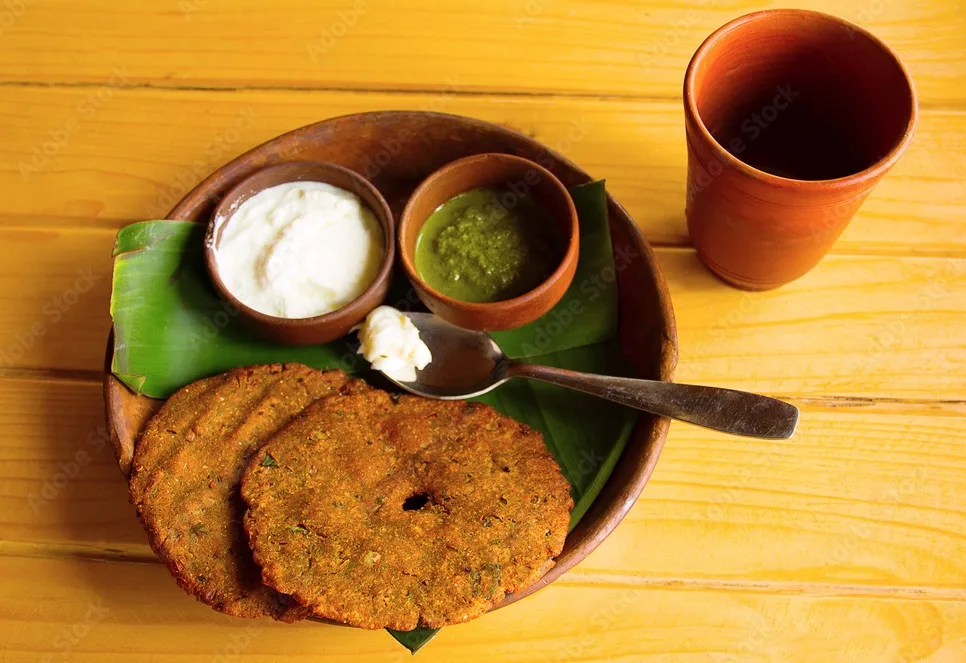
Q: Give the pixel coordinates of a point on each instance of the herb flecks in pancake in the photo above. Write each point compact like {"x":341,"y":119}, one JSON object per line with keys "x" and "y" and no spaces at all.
{"x":400,"y":512}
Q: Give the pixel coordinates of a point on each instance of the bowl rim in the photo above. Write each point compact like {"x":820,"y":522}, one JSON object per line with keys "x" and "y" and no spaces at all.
{"x":693,"y":117}
{"x":570,"y":255}
{"x":222,"y":211}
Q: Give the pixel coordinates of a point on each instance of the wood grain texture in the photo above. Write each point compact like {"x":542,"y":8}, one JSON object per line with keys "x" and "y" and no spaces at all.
{"x":879,"y":511}
{"x":56,"y":293}
{"x":526,"y":46}
{"x":881,"y":328}
{"x":846,"y":543}
{"x":856,"y":503}
{"x":85,"y":611}
{"x":876,"y":327}
{"x":103,"y":157}
{"x":60,"y":482}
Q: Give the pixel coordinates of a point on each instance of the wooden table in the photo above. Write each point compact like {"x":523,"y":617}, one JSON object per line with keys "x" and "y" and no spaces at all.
{"x":847,"y":544}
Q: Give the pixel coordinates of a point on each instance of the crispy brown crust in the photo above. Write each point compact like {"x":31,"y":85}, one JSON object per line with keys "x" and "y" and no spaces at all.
{"x":189,"y":502}
{"x":328,"y":526}
{"x":164,"y":432}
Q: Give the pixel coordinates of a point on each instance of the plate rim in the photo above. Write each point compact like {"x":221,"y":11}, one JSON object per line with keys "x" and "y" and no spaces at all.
{"x":600,"y":520}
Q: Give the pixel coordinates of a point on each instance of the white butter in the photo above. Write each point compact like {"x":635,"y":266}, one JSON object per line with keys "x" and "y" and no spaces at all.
{"x":390,"y":342}
{"x":300,"y":249}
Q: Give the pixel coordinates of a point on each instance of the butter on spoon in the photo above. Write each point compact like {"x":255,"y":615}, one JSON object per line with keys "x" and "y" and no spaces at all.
{"x":390,"y":342}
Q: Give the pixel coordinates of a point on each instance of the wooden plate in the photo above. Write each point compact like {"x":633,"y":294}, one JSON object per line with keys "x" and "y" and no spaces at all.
{"x":396,"y":150}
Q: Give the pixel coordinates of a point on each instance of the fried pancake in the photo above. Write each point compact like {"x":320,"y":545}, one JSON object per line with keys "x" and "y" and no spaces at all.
{"x":396,"y":511}
{"x":193,"y":453}
{"x":163,"y":433}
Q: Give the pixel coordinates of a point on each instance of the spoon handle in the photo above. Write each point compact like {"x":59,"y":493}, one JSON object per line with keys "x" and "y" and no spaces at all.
{"x":725,"y":410}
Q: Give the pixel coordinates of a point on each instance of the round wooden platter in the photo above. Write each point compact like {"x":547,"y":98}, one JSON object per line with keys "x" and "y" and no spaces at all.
{"x":396,"y":150}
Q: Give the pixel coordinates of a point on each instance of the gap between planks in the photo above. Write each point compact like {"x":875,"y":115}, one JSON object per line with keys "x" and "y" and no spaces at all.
{"x":28,"y":223}
{"x":29,"y":374}
{"x":849,"y":404}
{"x":142,"y":554}
{"x":943,"y":106}
{"x":866,"y":404}
{"x":578,"y":578}
{"x":416,"y":90}
{"x":123,"y":552}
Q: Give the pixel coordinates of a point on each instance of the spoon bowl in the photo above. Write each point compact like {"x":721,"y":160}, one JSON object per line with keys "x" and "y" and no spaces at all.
{"x":465,"y":363}
{"x":469,"y":363}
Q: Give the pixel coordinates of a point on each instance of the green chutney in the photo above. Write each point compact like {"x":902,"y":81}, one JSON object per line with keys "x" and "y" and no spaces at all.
{"x":486,"y":245}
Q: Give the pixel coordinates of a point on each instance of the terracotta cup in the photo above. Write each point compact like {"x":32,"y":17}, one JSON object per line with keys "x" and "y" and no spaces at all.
{"x":792,"y":117}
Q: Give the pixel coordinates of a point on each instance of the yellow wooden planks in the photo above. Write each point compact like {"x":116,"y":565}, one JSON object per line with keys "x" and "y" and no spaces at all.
{"x":104,"y":156}
{"x":875,"y":327}
{"x":60,"y":482}
{"x":864,"y":503}
{"x":84,"y":611}
{"x":55,"y":290}
{"x":844,"y":543}
{"x":857,"y":503}
{"x":544,"y":46}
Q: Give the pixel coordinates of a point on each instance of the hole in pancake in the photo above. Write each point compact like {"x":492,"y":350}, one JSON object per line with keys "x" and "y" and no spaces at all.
{"x":416,"y":502}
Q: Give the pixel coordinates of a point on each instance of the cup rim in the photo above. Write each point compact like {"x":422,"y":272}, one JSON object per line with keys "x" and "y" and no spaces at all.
{"x":382,"y":213}
{"x":569,"y":255}
{"x":693,"y":117}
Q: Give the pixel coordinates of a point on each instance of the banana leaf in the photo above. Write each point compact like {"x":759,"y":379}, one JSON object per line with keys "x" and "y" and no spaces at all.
{"x":587,"y":313}
{"x":171,"y":328}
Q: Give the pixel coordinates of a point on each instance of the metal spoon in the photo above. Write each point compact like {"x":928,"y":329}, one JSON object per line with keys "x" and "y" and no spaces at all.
{"x":468,"y":363}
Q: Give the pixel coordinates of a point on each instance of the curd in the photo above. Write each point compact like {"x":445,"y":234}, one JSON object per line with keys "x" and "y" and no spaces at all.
{"x":300,"y":249}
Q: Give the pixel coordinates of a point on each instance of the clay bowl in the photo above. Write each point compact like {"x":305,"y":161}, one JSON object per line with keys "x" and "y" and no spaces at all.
{"x":320,"y":328}
{"x":517,"y":176}
{"x":396,"y":150}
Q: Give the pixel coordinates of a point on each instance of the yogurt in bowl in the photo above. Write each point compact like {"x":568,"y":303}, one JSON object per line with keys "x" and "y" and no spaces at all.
{"x":300,"y":249}
{"x":303,"y":250}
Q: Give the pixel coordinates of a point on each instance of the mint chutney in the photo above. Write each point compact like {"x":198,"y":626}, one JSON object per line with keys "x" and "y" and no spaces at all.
{"x":475,"y":248}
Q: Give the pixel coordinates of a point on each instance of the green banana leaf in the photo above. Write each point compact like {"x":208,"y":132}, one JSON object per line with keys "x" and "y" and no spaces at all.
{"x":414,"y":640}
{"x":587,"y":313}
{"x":171,"y":328}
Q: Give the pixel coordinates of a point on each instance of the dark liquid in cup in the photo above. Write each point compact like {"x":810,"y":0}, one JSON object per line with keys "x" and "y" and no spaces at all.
{"x":795,"y":142}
